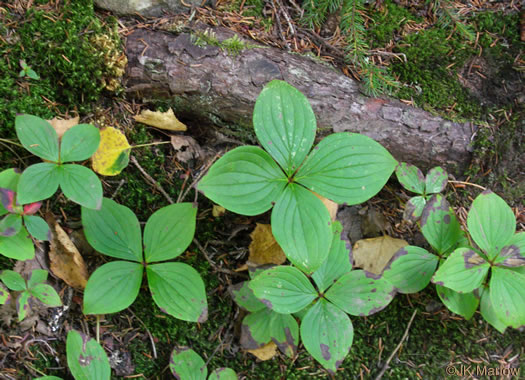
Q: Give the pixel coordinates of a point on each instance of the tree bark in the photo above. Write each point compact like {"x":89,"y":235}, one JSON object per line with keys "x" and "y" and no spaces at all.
{"x":214,"y":84}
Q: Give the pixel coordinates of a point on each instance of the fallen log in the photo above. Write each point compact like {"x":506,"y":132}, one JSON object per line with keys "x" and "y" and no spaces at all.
{"x":216,"y":85}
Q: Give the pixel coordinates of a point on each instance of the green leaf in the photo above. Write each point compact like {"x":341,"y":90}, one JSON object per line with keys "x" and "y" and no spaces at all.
{"x":284,"y":124}
{"x":327,"y":334}
{"x":410,"y":177}
{"x":491,"y":223}
{"x":436,"y":180}
{"x":256,"y":329}
{"x":463,"y":271}
{"x":245,"y":180}
{"x":18,"y":247}
{"x":4,"y":294}
{"x":10,"y":225}
{"x":414,"y":208}
{"x":513,"y":254}
{"x":112,"y":287}
{"x":81,"y":185}
{"x":22,"y":305}
{"x":489,"y":313}
{"x":223,"y":374}
{"x":507,"y":295}
{"x":440,"y":225}
{"x":13,"y":280}
{"x":347,"y":168}
{"x":284,"y":289}
{"x":464,"y":304}
{"x":361,"y":293}
{"x":186,"y":364}
{"x":169,"y":231}
{"x":48,"y":378}
{"x":410,"y":269}
{"x":32,"y":74}
{"x":37,"y":182}
{"x":8,"y":181}
{"x":37,"y":276}
{"x":113,"y":230}
{"x":244,"y":297}
{"x":178,"y":290}
{"x":284,"y":332}
{"x":46,"y":294}
{"x":79,"y":143}
{"x":86,"y":358}
{"x":37,"y":227}
{"x":37,"y":136}
{"x":338,"y":263}
{"x":301,"y":225}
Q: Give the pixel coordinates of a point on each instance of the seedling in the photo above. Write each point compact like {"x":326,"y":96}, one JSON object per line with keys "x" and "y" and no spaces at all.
{"x":114,"y":230}
{"x":326,"y":330}
{"x":413,"y":180}
{"x":41,"y":181}
{"x":488,"y":271}
{"x":86,"y":358}
{"x":27,"y":71}
{"x":186,"y":364}
{"x":344,"y":167}
{"x":33,"y":288}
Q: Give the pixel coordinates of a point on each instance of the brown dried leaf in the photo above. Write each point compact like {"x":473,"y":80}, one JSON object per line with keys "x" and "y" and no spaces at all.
{"x":330,"y":205}
{"x":263,"y":248}
{"x":66,"y":261}
{"x":162,"y":120}
{"x":187,"y":148}
{"x":373,"y":254}
{"x":61,"y":126}
{"x":265,"y":352}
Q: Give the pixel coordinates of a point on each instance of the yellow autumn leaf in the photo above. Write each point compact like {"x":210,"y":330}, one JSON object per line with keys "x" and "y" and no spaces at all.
{"x":265,"y":352}
{"x":163,"y":120}
{"x":112,"y":155}
{"x":374,"y":254}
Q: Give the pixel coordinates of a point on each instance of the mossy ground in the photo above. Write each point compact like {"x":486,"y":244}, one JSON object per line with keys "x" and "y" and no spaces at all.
{"x":436,"y":339}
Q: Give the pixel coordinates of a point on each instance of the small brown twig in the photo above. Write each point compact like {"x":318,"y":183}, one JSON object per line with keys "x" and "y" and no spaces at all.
{"x":213,"y":265}
{"x":197,"y":179}
{"x":150,"y":178}
{"x":385,"y":367}
{"x":149,"y":334}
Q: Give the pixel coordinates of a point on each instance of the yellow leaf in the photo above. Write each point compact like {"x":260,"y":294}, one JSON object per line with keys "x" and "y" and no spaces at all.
{"x":263,"y":248}
{"x":162,"y":120}
{"x":218,"y":211}
{"x":373,"y":254}
{"x":61,"y":126}
{"x":265,"y":352}
{"x":330,"y":205}
{"x":65,"y":259}
{"x":112,"y":155}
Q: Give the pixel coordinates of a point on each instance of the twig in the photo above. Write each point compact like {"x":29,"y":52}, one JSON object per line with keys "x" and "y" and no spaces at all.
{"x":470,"y":184}
{"x":197,"y":179}
{"x":149,"y":334}
{"x":213,"y":265}
{"x":149,"y":178}
{"x":385,"y":367}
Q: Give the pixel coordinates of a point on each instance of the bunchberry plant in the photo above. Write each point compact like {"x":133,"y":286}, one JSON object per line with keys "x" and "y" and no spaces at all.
{"x":27,"y":71}
{"x":344,"y":167}
{"x":114,"y":230}
{"x":326,"y":330}
{"x":488,"y":270}
{"x":263,"y":325}
{"x":15,"y":241}
{"x":33,"y":288}
{"x":86,"y":358}
{"x":40,"y":181}
{"x":413,"y":180}
{"x":186,"y":364}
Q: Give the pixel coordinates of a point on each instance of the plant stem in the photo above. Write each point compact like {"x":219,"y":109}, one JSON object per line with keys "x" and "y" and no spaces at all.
{"x":11,"y":142}
{"x":98,"y":328}
{"x":150,"y":144}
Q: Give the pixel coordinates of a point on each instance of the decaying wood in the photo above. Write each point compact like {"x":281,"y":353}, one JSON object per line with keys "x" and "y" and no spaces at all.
{"x":216,"y":85}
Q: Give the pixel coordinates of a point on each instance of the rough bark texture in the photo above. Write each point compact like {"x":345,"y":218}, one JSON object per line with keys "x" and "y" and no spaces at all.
{"x":214,"y":84}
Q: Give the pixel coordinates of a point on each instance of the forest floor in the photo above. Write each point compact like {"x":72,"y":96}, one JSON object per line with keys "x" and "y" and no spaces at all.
{"x":77,"y":53}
